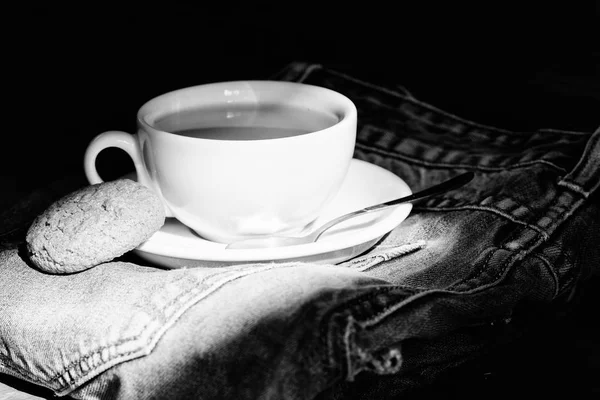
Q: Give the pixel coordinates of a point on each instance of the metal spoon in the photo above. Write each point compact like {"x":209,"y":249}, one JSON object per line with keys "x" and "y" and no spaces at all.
{"x":279,"y":241}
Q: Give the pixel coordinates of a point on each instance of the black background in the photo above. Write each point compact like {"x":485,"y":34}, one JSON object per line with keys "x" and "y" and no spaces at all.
{"x":74,"y":72}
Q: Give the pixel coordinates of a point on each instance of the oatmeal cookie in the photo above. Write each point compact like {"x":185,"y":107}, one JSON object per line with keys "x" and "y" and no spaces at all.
{"x":93,"y":225}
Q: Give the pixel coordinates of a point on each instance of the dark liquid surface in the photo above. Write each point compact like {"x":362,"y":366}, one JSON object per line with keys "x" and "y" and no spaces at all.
{"x":242,"y":133}
{"x":245,"y":122}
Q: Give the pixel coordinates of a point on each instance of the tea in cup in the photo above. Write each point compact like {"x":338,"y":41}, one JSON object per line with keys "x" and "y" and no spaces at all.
{"x":237,"y":160}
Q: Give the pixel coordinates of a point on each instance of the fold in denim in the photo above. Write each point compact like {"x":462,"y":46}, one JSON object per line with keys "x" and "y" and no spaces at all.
{"x":438,"y":290}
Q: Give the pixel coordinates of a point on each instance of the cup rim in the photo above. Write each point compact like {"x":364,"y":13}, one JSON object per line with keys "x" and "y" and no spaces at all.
{"x":347,"y":115}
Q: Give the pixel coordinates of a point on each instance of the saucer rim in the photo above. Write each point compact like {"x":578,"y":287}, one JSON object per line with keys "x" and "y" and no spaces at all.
{"x":219,"y":254}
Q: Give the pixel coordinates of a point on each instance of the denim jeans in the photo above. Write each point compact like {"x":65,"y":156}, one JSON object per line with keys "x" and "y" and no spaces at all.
{"x":436,"y":291}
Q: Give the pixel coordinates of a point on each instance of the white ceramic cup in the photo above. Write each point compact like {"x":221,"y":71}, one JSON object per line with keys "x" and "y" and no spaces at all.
{"x":229,"y":188}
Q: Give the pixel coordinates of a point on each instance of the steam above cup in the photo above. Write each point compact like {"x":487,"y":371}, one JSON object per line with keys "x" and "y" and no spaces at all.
{"x":236,"y":160}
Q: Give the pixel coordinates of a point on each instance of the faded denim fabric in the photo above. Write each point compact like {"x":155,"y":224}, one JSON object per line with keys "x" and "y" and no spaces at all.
{"x":438,"y":290}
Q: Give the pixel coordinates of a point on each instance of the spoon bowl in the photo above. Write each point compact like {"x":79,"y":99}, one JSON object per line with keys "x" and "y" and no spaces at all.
{"x":281,"y":241}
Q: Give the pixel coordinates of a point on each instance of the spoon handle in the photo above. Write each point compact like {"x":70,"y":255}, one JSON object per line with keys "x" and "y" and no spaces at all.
{"x":445,"y":186}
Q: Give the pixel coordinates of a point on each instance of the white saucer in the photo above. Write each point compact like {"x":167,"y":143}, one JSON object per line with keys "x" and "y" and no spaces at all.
{"x":176,"y":246}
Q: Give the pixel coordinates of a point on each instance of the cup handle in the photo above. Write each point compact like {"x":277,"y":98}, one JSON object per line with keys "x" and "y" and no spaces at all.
{"x":130,"y":145}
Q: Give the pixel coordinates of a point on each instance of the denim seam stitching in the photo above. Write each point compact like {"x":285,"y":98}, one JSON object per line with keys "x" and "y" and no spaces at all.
{"x":351,"y":303}
{"x":480,"y":131}
{"x":551,"y":271}
{"x":568,"y":210}
{"x":484,"y":266}
{"x":514,"y":236}
{"x":348,"y":331}
{"x":378,"y":317}
{"x":586,"y":158}
{"x":476,"y":167}
{"x":417,"y":294}
{"x":390,"y":310}
{"x":326,"y":337}
{"x":488,"y":209}
{"x":447,"y":130}
{"x":470,"y":278}
{"x":493,"y":200}
{"x":363,"y":83}
{"x":182,"y":298}
{"x":328,"y":325}
{"x":574,"y":187}
{"x":446,"y":127}
{"x":518,"y":204}
{"x":440,"y":111}
{"x":99,"y":350}
{"x":503,"y":270}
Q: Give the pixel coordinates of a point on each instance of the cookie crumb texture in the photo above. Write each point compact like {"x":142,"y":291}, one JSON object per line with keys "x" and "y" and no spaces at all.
{"x":94,"y":225}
